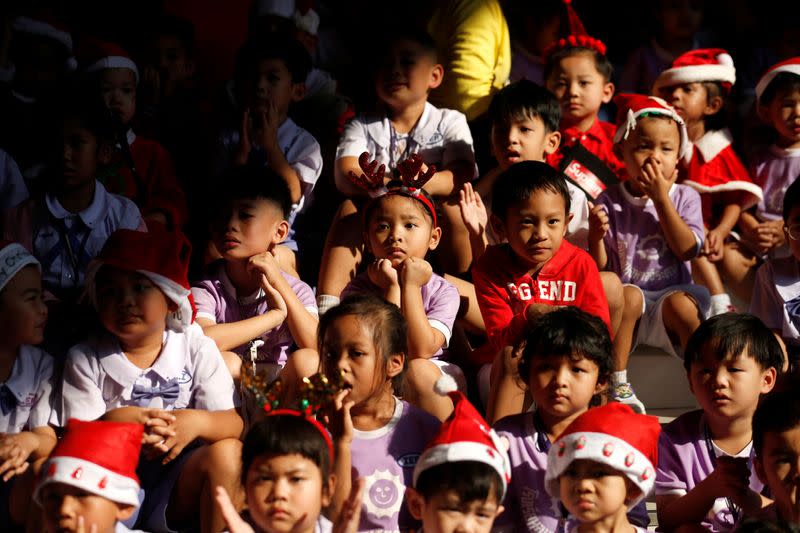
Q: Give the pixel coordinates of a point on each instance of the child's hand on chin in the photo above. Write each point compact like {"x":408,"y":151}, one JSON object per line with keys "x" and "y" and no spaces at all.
{"x":266,"y":264}
{"x":415,"y":272}
{"x":382,"y":274}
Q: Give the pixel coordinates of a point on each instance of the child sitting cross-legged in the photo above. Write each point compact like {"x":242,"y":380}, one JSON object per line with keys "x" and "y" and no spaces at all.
{"x":602,"y":465}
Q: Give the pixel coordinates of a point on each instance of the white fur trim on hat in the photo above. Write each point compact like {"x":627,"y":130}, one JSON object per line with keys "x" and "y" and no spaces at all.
{"x":13,"y":258}
{"x":114,"y":62}
{"x":623,"y":132}
{"x":39,"y":27}
{"x":308,"y":22}
{"x":445,"y":384}
{"x":766,"y":79}
{"x":90,"y":477}
{"x":723,"y":72}
{"x":280,"y":8}
{"x":602,"y":448}
{"x":467,"y":451}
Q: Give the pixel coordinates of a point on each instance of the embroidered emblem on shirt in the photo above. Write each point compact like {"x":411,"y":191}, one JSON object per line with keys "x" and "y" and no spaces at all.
{"x":384,"y":494}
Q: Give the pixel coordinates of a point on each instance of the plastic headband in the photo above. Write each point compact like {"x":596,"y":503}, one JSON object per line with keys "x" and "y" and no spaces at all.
{"x":577,"y":38}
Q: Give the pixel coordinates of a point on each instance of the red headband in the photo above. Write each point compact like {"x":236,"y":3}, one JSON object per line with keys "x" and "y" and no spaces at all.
{"x":577,"y":38}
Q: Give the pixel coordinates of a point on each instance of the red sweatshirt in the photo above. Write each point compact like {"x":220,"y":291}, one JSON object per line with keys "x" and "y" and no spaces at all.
{"x":505,"y":289}
{"x":599,"y":140}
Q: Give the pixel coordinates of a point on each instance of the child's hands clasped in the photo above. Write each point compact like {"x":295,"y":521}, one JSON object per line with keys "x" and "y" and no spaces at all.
{"x":712,"y":246}
{"x":414,"y":272}
{"x":184,"y":431}
{"x":14,"y":452}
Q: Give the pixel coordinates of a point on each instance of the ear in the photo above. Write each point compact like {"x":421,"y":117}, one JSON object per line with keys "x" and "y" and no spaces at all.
{"x":395,"y":364}
{"x":601,"y":386}
{"x":760,"y":472}
{"x":763,"y":113}
{"x":298,"y":91}
{"x":713,"y":106}
{"x":416,"y":503}
{"x":569,"y":219}
{"x":124,"y":511}
{"x":105,"y":152}
{"x":608,"y":92}
{"x":280,"y":234}
{"x":633,"y":491}
{"x":327,"y":490}
{"x":436,"y":237}
{"x":768,"y":380}
{"x":437,"y":75}
{"x":552,"y":141}
{"x":498,"y":226}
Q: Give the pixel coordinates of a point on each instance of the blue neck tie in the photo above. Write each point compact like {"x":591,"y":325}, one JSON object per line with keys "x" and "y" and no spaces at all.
{"x":168,"y":392}
{"x":8,"y":401}
{"x":793,"y":308}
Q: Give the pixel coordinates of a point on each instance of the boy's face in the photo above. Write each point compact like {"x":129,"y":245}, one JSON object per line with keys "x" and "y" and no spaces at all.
{"x":535,"y":227}
{"x":118,"y":87}
{"x":679,"y":19}
{"x":399,"y":228}
{"x":657,"y":139}
{"x":80,"y":155}
{"x":522,"y":140}
{"x":286,"y":493}
{"x":130,"y":306}
{"x":66,"y":506}
{"x":783,"y":112}
{"x":793,"y":227}
{"x":778,"y":467}
{"x":592,"y":491}
{"x":731,"y":387}
{"x":169,"y":54}
{"x":248,"y":226}
{"x":561,"y":386}
{"x":272,"y":84}
{"x":23,"y":309}
{"x":445,"y":512}
{"x":406,"y":74}
{"x":579,"y":87}
{"x":691,"y":101}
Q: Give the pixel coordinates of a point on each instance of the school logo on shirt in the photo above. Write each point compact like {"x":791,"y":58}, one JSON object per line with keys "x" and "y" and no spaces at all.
{"x":435,"y":139}
{"x":186,"y":377}
{"x":28,"y":400}
{"x":384,"y":492}
{"x":408,"y":461}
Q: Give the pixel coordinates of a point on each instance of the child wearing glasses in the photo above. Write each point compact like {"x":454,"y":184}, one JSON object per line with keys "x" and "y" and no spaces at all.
{"x":776,"y":294}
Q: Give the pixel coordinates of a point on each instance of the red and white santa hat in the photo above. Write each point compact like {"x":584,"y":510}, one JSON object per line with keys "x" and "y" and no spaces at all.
{"x":97,"y":457}
{"x":50,"y":28}
{"x":160,"y":255}
{"x":704,"y":64}
{"x":464,"y":436}
{"x":577,"y":36}
{"x":97,"y":55}
{"x":13,"y":258}
{"x":632,"y":106}
{"x":613,"y":435}
{"x":790,"y":66}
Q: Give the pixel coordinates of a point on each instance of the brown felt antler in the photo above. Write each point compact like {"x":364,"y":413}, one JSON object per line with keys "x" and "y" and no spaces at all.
{"x":370,"y":179}
{"x":411,"y":172}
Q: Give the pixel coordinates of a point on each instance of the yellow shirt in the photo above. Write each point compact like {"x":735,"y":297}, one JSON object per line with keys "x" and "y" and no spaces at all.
{"x":474,"y":48}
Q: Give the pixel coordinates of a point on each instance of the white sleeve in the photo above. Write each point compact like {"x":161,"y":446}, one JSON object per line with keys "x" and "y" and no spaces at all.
{"x":42,"y":408}
{"x":353,"y":141}
{"x":458,"y":145}
{"x":81,"y":394}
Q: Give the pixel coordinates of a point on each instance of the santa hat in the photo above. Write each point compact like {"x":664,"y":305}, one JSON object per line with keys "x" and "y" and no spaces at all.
{"x":162,"y":256}
{"x":464,"y":436}
{"x":279,"y":8}
{"x":99,"y":55}
{"x":97,"y":457}
{"x":13,"y":258}
{"x":790,"y":66}
{"x":705,"y":64}
{"x":632,"y":106}
{"x":49,"y":28}
{"x":613,"y":435}
{"x":308,"y":22}
{"x":577,"y":36}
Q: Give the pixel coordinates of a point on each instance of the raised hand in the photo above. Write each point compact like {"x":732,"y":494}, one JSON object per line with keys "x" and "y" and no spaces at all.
{"x":473,"y":212}
{"x":598,"y":222}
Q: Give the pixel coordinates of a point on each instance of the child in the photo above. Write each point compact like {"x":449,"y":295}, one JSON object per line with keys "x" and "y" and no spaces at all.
{"x":142,"y":170}
{"x":152,"y":366}
{"x":776,"y":432}
{"x":25,"y":374}
{"x":462,"y":476}
{"x":89,"y":483}
{"x":602,"y":465}
{"x":646,"y":230}
{"x":69,"y":226}
{"x":697,"y":85}
{"x":704,"y":470}
{"x":776,"y":289}
{"x":578,"y":72}
{"x":377,"y":436}
{"x":773,"y":169}
{"x":401,"y":227}
{"x":535,"y":271}
{"x":406,"y":124}
{"x":246,"y":303}
{"x":13,"y":190}
{"x":270,"y":76}
{"x":533,"y":28}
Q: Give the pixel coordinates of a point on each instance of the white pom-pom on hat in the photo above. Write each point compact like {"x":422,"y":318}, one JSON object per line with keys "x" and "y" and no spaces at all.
{"x":445,"y":385}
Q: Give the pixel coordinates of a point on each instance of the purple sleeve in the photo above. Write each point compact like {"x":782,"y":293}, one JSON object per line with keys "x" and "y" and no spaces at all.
{"x":610,"y":239}
{"x":690,"y":209}
{"x":206,"y":301}
{"x":303,"y":292}
{"x":670,"y":478}
{"x":443,"y":303}
{"x":766,"y":303}
{"x":360,"y":285}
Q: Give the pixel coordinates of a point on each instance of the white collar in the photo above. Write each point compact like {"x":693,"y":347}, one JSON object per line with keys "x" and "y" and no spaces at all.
{"x":380,"y":432}
{"x":168,"y":364}
{"x":90,"y":216}
{"x":712,"y":143}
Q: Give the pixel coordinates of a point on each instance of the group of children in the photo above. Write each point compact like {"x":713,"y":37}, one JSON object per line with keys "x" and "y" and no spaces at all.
{"x":127,"y":389}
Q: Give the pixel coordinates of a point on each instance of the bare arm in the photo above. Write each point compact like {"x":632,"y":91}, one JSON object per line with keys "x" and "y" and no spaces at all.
{"x":233,"y":334}
{"x":423,"y":339}
{"x":343,"y":166}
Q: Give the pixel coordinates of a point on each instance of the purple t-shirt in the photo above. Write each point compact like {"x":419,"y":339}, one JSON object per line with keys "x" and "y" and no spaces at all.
{"x":215,"y":298}
{"x":637,"y":249}
{"x":385,"y":458}
{"x":774,"y":170}
{"x":439,"y":298}
{"x":684,"y":461}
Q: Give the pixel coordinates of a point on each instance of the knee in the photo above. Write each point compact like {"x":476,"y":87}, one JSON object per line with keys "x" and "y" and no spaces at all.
{"x":223,"y":458}
{"x":421,"y":374}
{"x":634,"y":302}
{"x":682,"y":307}
{"x":612,"y":286}
{"x":234,"y":364}
{"x":303,"y":363}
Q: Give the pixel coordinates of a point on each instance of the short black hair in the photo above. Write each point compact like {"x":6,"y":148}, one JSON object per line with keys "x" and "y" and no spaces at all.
{"x":281,"y":47}
{"x":732,"y":334}
{"x":178,"y":27}
{"x":285,"y":434}
{"x":718,"y":120}
{"x":601,"y":62}
{"x":414,"y":35}
{"x":783,"y":82}
{"x":523,"y":100}
{"x":777,"y":412}
{"x":519,"y":181}
{"x":90,"y":111}
{"x":568,"y":332}
{"x":471,"y":480}
{"x":791,"y":198}
{"x":253,"y":181}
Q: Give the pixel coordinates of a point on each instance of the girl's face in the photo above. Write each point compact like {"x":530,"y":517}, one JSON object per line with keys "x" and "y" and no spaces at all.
{"x":592,"y":491}
{"x":783,"y":112}
{"x":562,"y":386}
{"x":349,"y":347}
{"x":23,"y":309}
{"x":286,"y":493}
{"x":81,"y":154}
{"x":131,"y":307}
{"x":118,"y":88}
{"x":399,"y":228}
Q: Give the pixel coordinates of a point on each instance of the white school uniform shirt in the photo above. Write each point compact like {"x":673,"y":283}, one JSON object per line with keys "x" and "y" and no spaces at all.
{"x":31,"y":384}
{"x":98,"y":377}
{"x":13,"y":190}
{"x":777,"y":282}
{"x":441,"y":136}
